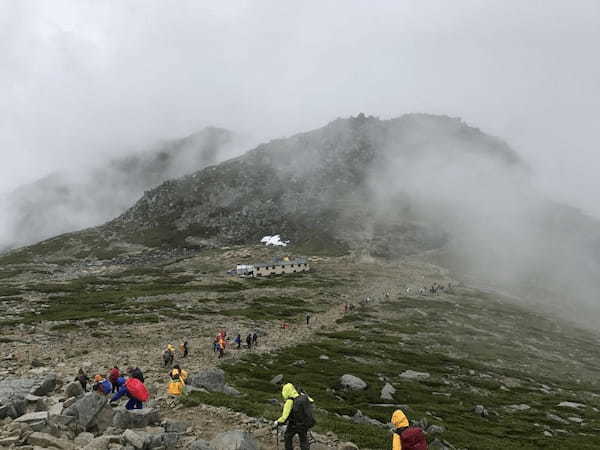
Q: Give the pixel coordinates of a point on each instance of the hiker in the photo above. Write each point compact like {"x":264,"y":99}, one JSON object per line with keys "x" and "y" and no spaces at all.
{"x":169,"y":355}
{"x":297,"y":414}
{"x":135,"y":372}
{"x":406,"y":437}
{"x":221,"y":347}
{"x":83,"y":379}
{"x":113,"y":377}
{"x":249,"y":341}
{"x":135,"y":390}
{"x":308,"y":319}
{"x":216,"y":345}
{"x":254,"y":339}
{"x":177,"y":381}
{"x":184,"y":348}
{"x":345,"y":308}
{"x":238,"y":341}
{"x":102,"y":385}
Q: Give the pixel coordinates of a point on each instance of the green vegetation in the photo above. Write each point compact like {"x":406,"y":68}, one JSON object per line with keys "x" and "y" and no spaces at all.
{"x":447,"y":397}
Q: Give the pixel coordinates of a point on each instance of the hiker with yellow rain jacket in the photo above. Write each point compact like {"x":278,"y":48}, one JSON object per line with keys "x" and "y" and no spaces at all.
{"x":176,"y":384}
{"x":405,"y":436}
{"x":298,"y":414}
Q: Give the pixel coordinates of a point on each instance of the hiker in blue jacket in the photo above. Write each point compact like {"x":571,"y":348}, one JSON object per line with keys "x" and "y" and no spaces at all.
{"x":133,"y":402}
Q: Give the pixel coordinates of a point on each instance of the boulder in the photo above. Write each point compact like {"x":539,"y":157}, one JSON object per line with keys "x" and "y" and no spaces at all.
{"x":347,"y":446}
{"x":133,"y":438}
{"x":519,"y":407}
{"x":361,"y":419}
{"x":46,"y":386}
{"x":87,"y":409}
{"x":438,"y":444}
{"x":213,"y":380}
{"x":48,"y":441}
{"x":277,"y":379}
{"x":135,"y":418}
{"x":434,"y":429}
{"x":83,"y":439}
{"x":99,"y":443}
{"x":413,"y":375}
{"x":353,"y":383}
{"x":33,"y":417}
{"x":480,"y":411}
{"x":234,"y":440}
{"x":200,"y":444}
{"x":571,"y":405}
{"x":556,"y":418}
{"x":13,"y":393}
{"x":174,"y":426}
{"x":73,"y":389}
{"x":387,"y":392}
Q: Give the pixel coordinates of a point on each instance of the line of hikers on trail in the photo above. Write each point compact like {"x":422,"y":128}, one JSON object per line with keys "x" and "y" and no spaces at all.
{"x":298,"y":416}
{"x":221,"y":342}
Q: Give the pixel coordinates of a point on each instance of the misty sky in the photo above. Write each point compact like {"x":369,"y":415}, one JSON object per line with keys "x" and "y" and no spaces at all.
{"x":81,"y":81}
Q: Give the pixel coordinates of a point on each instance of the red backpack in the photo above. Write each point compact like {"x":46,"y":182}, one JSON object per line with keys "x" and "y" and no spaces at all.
{"x":413,"y":438}
{"x":137,"y":389}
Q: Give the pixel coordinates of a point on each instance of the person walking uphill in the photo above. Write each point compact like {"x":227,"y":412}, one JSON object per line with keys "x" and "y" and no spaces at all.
{"x":406,"y":437}
{"x":135,"y":390}
{"x":298,"y":414}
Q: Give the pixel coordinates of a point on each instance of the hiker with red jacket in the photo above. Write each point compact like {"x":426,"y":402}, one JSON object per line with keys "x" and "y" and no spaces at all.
{"x":405,"y":436}
{"x":135,"y":390}
{"x":113,"y":377}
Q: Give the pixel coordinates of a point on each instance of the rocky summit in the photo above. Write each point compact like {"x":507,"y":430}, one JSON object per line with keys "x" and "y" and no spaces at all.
{"x":430,"y":289}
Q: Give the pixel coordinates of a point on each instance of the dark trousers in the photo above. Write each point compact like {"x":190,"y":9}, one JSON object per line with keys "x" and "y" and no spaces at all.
{"x":134,"y":403}
{"x":302,"y":435}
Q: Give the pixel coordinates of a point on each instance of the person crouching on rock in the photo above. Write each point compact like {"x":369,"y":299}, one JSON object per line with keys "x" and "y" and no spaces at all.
{"x":102,"y":385}
{"x":135,"y":390}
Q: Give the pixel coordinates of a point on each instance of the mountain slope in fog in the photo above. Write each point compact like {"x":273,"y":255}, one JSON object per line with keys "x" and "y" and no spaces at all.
{"x":420,"y":184}
{"x":69,"y":201}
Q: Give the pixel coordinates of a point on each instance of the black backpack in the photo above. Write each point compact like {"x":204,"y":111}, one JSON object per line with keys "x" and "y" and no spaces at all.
{"x":302,"y":412}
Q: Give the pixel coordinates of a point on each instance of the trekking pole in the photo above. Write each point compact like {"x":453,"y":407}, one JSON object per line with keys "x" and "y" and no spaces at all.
{"x":277,"y":437}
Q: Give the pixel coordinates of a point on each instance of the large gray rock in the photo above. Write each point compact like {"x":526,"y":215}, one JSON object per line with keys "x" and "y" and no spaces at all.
{"x":48,"y":441}
{"x":277,"y":379}
{"x":353,"y":383}
{"x":13,"y":393}
{"x":361,"y":419}
{"x":135,"y":439}
{"x":234,"y":440}
{"x":99,"y":443}
{"x":136,"y":418}
{"x":73,"y":389}
{"x":46,"y":386}
{"x":200,"y":444}
{"x":33,"y":417}
{"x":414,"y":375}
{"x":174,"y":426}
{"x":83,"y":439}
{"x":213,"y":380}
{"x":480,"y":411}
{"x":387,"y":392}
{"x":91,"y":411}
